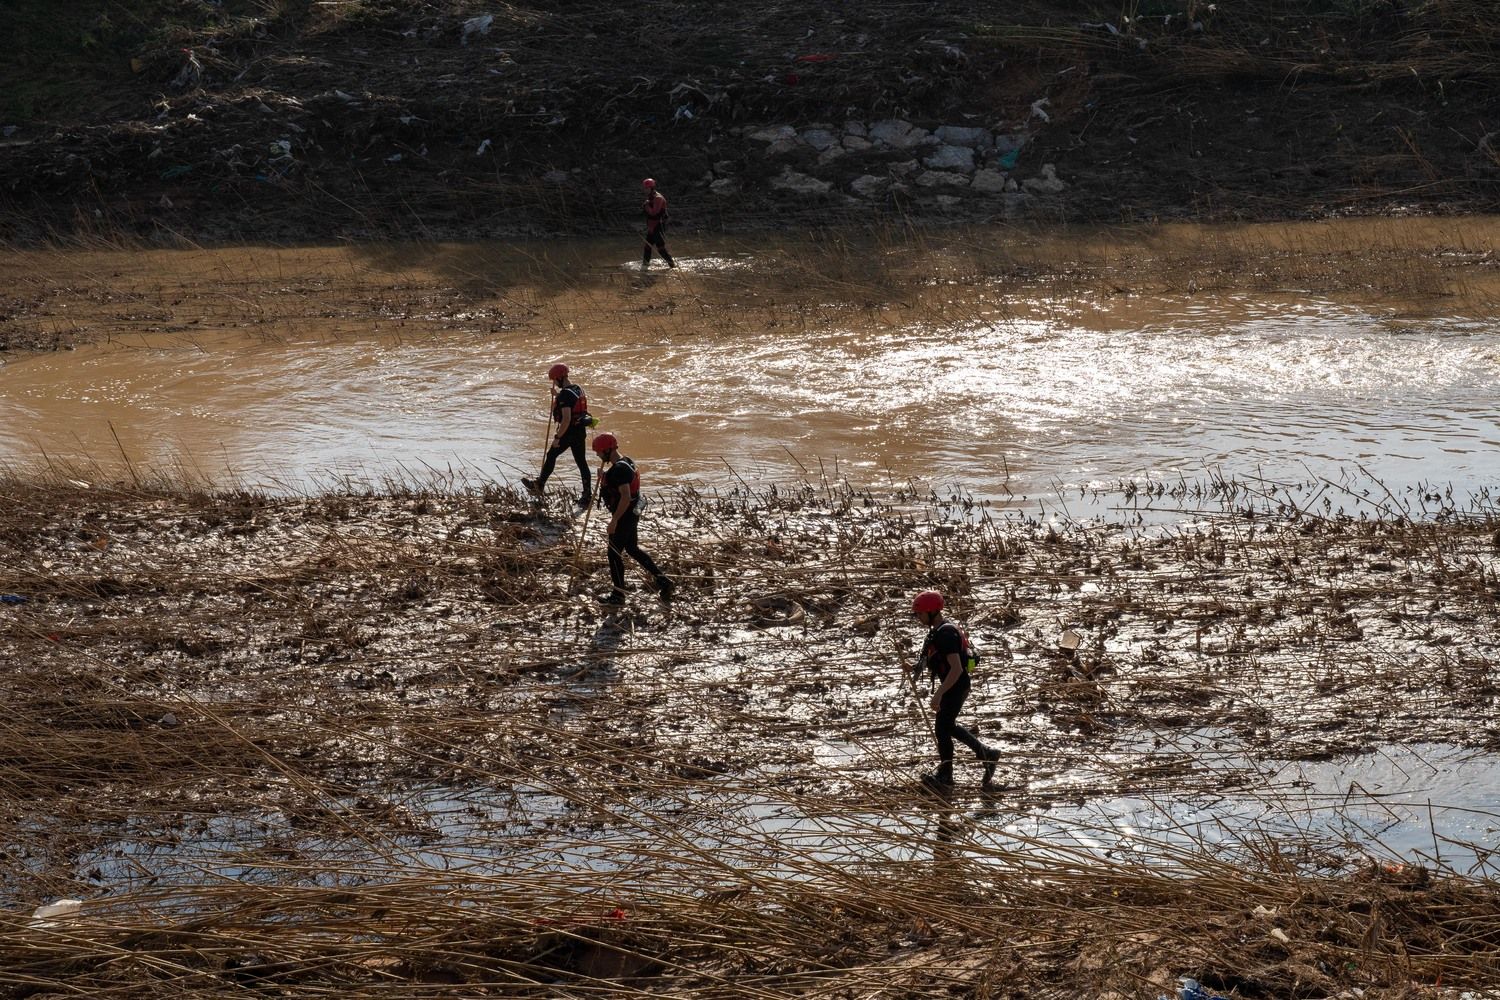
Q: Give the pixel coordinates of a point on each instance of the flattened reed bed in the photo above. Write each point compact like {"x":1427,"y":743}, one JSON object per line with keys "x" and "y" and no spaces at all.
{"x":367,"y":743}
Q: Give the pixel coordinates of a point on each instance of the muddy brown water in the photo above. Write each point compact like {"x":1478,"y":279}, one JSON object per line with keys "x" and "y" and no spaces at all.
{"x":285,"y":367}
{"x":1397,"y":804}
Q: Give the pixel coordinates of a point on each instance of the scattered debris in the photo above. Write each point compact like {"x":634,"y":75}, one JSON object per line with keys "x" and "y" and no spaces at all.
{"x":54,"y":913}
{"x":477,"y":26}
{"x":1046,"y":183}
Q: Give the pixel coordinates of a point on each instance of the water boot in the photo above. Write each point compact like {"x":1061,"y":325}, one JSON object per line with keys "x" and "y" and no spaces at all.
{"x":991,"y":758}
{"x":665,"y":588}
{"x":613,"y":598}
{"x":532,"y":486}
{"x":670,"y":261}
{"x":940,"y":780}
{"x":585,"y":501}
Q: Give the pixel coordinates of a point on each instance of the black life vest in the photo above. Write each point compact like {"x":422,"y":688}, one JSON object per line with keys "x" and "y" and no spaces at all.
{"x":612,"y":492}
{"x":968,"y":655}
{"x":571,"y":399}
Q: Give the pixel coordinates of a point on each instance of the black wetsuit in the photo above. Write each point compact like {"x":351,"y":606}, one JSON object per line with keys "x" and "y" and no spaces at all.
{"x":656,"y":229}
{"x":623,"y":540}
{"x":942,"y":640}
{"x":573,"y":438}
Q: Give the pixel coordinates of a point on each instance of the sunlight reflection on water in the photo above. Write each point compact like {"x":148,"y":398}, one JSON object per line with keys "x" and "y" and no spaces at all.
{"x":1394,"y":805}
{"x":1058,"y":393}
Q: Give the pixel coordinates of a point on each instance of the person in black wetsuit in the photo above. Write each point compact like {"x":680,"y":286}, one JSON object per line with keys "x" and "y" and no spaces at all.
{"x":949,"y":657}
{"x":570,"y":414}
{"x":655,"y":207}
{"x":620,"y":494}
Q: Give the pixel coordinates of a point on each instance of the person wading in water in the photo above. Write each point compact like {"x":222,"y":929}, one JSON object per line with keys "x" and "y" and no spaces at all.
{"x":949,"y":658}
{"x":621,"y":496}
{"x":655,"y":207}
{"x":570,"y":412}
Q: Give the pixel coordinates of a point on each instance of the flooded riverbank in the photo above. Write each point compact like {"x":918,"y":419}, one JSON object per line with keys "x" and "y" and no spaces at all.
{"x":336,"y":709}
{"x":1008,"y":367}
{"x":316,"y":735}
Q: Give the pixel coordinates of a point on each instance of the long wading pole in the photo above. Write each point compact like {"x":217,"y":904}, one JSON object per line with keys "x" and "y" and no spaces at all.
{"x":551,"y":405}
{"x":911,"y":679}
{"x":598,"y":483}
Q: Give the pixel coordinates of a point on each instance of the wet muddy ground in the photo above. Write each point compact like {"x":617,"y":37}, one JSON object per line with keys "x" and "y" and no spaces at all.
{"x":352,"y":742}
{"x":62,"y":298}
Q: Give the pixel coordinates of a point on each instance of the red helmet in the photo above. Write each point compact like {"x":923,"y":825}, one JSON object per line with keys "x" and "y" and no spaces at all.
{"x":605,"y":443}
{"x":648,"y":184}
{"x":927,"y":600}
{"x":557,"y":371}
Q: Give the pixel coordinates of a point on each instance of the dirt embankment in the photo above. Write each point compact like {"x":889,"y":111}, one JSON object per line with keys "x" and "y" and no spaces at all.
{"x":296,"y":120}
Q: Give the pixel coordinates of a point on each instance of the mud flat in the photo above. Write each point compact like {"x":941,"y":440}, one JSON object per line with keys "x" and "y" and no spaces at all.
{"x":352,"y":743}
{"x":998,"y":359}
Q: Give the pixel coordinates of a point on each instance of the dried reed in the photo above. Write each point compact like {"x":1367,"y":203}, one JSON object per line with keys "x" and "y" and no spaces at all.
{"x":362,"y":744}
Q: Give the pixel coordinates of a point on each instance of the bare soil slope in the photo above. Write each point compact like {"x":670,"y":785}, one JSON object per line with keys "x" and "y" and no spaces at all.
{"x":252,"y":119}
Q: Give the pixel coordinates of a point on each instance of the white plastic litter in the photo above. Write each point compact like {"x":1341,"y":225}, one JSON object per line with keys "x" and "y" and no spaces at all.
{"x":1070,"y":640}
{"x":48,"y":914}
{"x":477,"y":26}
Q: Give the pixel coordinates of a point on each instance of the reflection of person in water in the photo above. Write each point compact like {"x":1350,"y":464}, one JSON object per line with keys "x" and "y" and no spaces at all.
{"x":950,"y":825}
